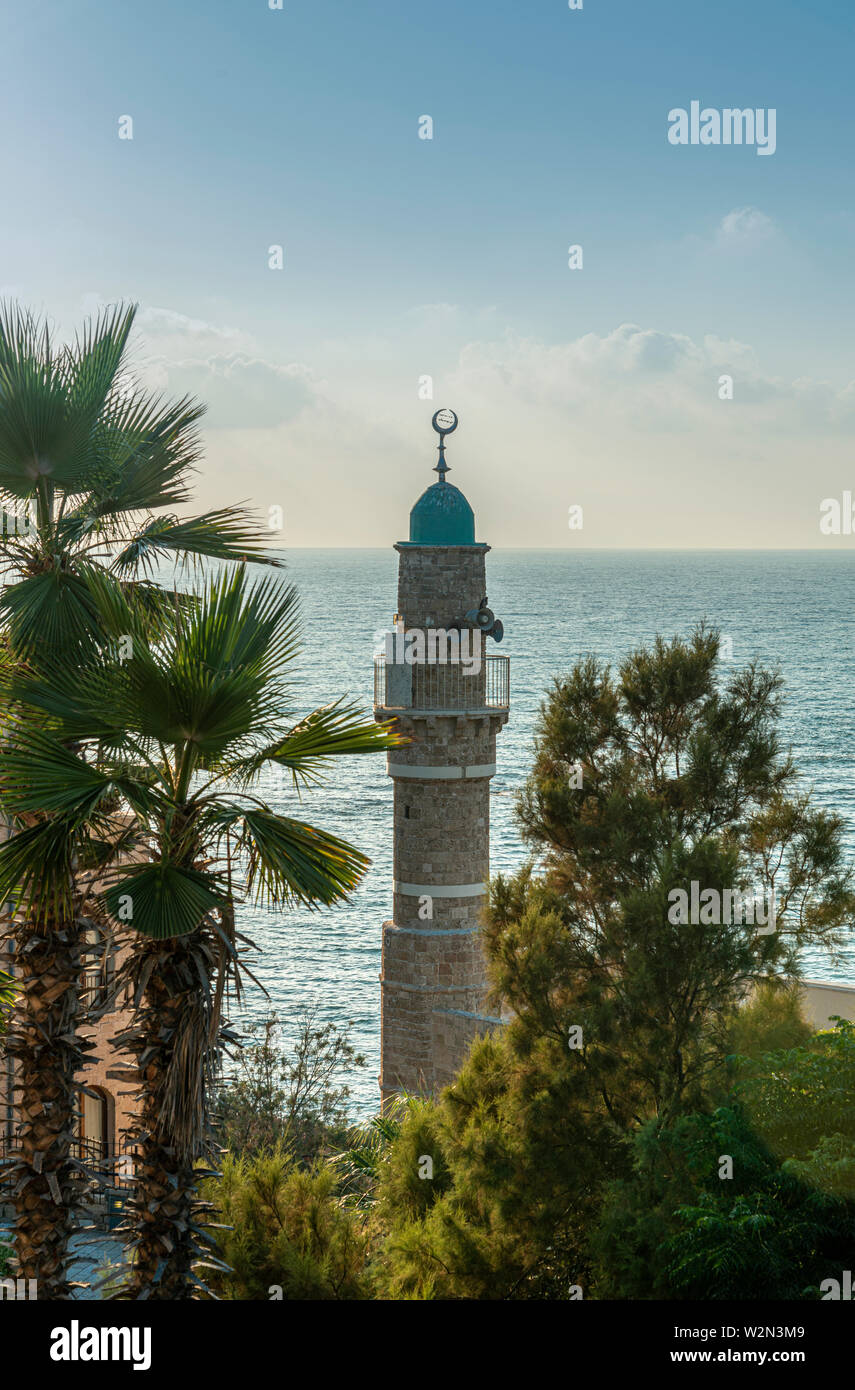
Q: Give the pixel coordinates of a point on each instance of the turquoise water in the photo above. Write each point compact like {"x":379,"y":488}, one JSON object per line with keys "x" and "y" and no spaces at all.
{"x":789,"y":608}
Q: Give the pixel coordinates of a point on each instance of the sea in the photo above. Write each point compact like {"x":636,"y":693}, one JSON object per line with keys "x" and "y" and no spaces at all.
{"x":790,"y":609}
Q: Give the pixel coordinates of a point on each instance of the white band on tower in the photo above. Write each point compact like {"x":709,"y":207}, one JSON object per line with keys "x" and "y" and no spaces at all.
{"x":441,"y":890}
{"x":443,"y":773}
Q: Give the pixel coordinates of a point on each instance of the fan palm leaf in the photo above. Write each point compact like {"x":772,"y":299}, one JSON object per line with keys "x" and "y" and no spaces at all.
{"x":88,"y":466}
{"x":153,"y":728}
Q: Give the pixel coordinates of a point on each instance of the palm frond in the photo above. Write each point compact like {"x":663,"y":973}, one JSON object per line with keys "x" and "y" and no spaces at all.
{"x":33,"y":420}
{"x":287,"y":861}
{"x":360,"y":1165}
{"x":8,"y":995}
{"x":88,"y":369}
{"x":217,"y":680}
{"x":36,"y":867}
{"x":50,"y":614}
{"x":50,"y":400}
{"x":224,"y":534}
{"x":164,"y":899}
{"x":244,"y":625}
{"x":142,"y":455}
{"x":39,"y":773}
{"x":337,"y":730}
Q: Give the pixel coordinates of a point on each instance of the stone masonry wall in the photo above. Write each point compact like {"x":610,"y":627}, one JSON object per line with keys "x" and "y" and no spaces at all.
{"x":119,"y":1094}
{"x":438,"y":583}
{"x":433,"y":965}
{"x":453,"y":1031}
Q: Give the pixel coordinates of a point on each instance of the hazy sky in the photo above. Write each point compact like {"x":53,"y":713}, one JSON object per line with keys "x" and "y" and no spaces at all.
{"x":406,"y":258}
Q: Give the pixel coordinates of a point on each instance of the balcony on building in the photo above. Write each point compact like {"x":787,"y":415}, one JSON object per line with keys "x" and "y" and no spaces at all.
{"x":447,"y":687}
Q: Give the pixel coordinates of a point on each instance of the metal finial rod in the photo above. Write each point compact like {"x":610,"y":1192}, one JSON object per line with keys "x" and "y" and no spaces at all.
{"x":444,"y":422}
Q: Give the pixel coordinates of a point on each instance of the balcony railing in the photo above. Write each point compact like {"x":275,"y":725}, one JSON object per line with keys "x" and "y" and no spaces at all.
{"x":97,"y":990}
{"x":108,"y":1169}
{"x":442,"y":686}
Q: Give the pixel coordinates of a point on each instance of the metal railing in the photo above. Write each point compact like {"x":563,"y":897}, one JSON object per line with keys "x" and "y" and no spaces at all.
{"x":438,"y":686}
{"x":98,"y":989}
{"x":109,"y":1169}
{"x":95,"y":1153}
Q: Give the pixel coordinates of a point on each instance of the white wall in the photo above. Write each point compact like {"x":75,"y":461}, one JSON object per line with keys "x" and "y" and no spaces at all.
{"x":822,"y":998}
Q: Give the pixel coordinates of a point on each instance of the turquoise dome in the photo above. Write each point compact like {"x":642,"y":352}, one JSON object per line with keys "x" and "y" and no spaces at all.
{"x":442,"y":516}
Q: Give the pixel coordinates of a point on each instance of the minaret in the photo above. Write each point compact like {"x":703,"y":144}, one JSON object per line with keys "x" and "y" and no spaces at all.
{"x":449,"y":698}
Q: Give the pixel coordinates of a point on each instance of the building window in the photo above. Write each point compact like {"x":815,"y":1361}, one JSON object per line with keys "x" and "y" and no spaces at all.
{"x":95,"y":1128}
{"x":99,"y":969}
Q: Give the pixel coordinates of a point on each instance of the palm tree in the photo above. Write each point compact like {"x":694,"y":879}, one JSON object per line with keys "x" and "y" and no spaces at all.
{"x":91,"y":472}
{"x":181,"y":734}
{"x":88,"y":461}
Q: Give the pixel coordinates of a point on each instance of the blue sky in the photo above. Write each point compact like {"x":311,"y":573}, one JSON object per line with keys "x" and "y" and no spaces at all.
{"x":448,"y":257}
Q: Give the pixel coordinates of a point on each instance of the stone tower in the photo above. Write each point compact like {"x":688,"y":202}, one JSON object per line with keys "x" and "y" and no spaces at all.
{"x":449,"y":698}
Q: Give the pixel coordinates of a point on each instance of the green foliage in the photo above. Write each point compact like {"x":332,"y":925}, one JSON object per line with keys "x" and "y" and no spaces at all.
{"x":796,"y":1097}
{"x":89,"y":464}
{"x":765,"y":1245}
{"x":7,"y":999}
{"x":137,"y":728}
{"x":770,"y":1021}
{"x":683,"y":780}
{"x":295,"y":1100}
{"x":362,"y":1165}
{"x":777,"y":1241}
{"x":829,"y":1167}
{"x":638,"y":1213}
{"x":180,"y":732}
{"x":403,"y":1194}
{"x":282,"y":1226}
{"x":785,"y":1220}
{"x":582,"y":1146}
{"x":519,"y":1154}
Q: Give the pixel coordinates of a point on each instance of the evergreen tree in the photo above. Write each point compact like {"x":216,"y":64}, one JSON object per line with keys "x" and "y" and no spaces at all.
{"x":686,"y":797}
{"x":666,"y":775}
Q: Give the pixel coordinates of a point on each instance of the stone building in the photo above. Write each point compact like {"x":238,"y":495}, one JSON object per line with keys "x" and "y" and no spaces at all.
{"x":106,"y":1115}
{"x":449,"y":696}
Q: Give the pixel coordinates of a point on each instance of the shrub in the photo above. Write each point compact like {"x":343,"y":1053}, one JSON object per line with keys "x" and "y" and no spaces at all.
{"x":294,"y":1099}
{"x":285,"y":1229}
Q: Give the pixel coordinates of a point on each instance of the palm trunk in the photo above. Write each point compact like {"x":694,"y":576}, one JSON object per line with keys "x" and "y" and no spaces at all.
{"x":48,"y":1053}
{"x":175,"y":1039}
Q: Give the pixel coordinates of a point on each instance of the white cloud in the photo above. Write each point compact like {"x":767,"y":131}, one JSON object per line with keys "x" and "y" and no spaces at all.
{"x":239,"y":391}
{"x":629,"y":423}
{"x":744,"y":229}
{"x":162,"y":335}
